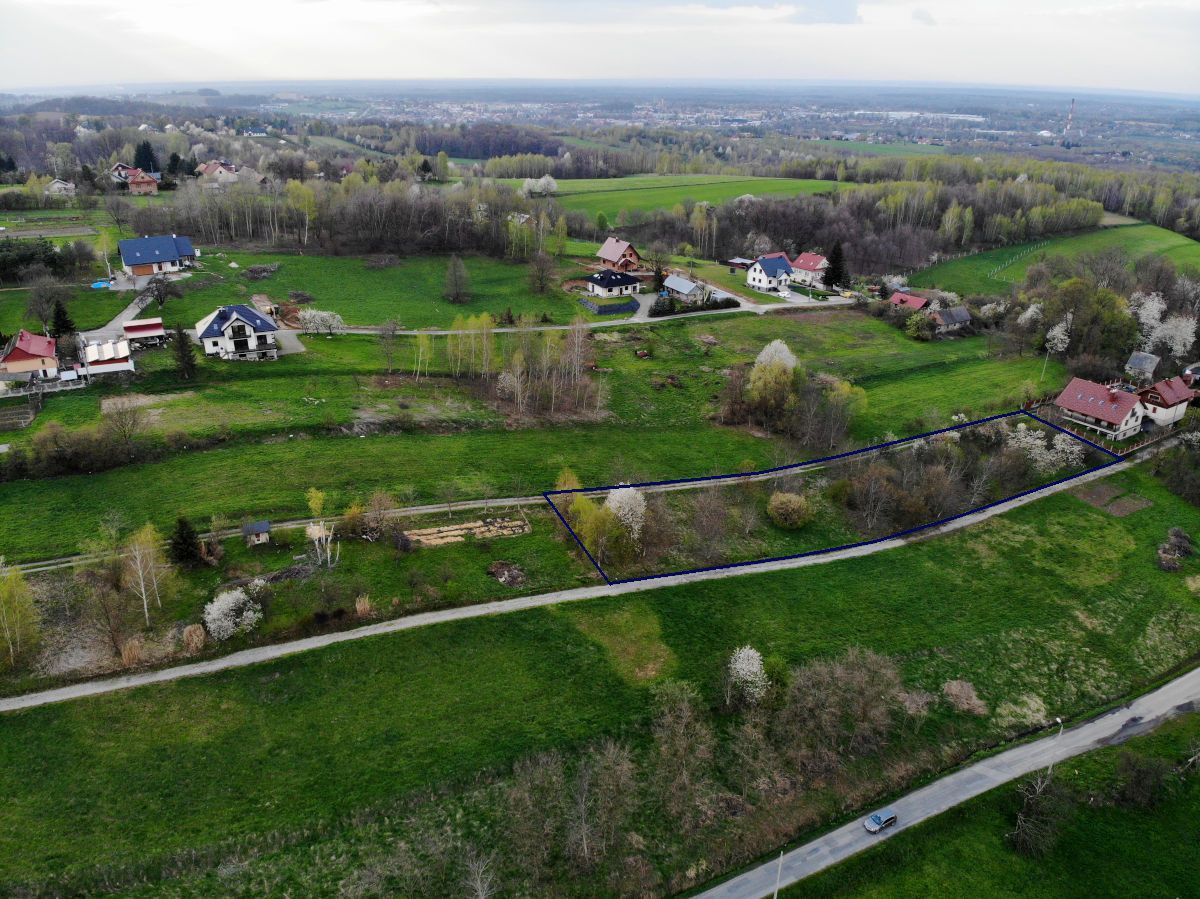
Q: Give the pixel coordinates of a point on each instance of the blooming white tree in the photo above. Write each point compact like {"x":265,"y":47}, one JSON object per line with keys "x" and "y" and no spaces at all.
{"x":1058,"y":338}
{"x":1031,"y":316}
{"x":1175,"y":335}
{"x":993,"y":310}
{"x":746,"y":680}
{"x":776,"y":352}
{"x":315,"y":321}
{"x":231,"y":612}
{"x":1045,"y":455}
{"x":1148,"y":309}
{"x":630,"y":508}
{"x":546,"y":185}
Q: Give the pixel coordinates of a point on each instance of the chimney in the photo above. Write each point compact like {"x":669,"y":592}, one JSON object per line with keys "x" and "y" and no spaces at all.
{"x":1112,"y":393}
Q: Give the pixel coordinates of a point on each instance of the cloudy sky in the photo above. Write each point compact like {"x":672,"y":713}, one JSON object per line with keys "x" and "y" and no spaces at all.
{"x":1148,"y":45}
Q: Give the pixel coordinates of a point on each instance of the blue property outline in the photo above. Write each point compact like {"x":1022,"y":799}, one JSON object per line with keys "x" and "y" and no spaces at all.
{"x":796,"y":465}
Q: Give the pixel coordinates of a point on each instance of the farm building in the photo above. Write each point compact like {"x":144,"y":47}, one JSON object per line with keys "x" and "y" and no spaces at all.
{"x":683,"y":289}
{"x":950,"y":319}
{"x":769,"y":274}
{"x":238,"y":332}
{"x":1108,"y":410}
{"x":619,"y":255}
{"x":609,"y":283}
{"x":28,"y":355}
{"x":739,"y":262}
{"x":155,"y":255}
{"x":1141,"y":366}
{"x":909,"y":301}
{"x":256,"y":533}
{"x":144,"y":331}
{"x":1167,"y":401}
{"x":60,"y":188}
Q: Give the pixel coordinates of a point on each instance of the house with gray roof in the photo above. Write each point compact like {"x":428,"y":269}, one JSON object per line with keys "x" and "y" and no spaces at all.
{"x":950,"y":319}
{"x":683,"y":289}
{"x":1141,"y":366}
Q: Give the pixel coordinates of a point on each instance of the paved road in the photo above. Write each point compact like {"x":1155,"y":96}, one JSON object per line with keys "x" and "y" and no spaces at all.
{"x":1137,"y":717}
{"x":268,"y":653}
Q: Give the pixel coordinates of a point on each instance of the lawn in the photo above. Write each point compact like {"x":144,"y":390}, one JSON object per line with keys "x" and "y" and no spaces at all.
{"x":1109,"y":850}
{"x":997,"y":271}
{"x":133,"y":777}
{"x":88,"y":309}
{"x":646,"y":193}
{"x":409,"y":293}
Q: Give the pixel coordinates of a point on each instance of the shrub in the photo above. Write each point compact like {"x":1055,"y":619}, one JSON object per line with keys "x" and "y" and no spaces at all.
{"x":746,"y":681}
{"x":1143,"y":780}
{"x":132,"y":652}
{"x":961,"y":694}
{"x":790,"y":511}
{"x":363,"y":607}
{"x":194,"y":638}
{"x":231,"y":612}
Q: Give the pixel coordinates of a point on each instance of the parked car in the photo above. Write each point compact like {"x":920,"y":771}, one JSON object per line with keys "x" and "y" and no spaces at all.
{"x":880,"y":821}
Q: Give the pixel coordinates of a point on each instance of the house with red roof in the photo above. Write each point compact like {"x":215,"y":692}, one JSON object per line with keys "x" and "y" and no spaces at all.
{"x":1108,"y":410}
{"x":809,"y":269}
{"x":1167,"y":401}
{"x":141,"y":183}
{"x":909,"y":301}
{"x":29,"y":355}
{"x":619,"y":255}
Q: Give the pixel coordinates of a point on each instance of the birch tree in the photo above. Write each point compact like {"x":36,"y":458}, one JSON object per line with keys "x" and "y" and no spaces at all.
{"x":18,"y":616}
{"x":145,"y":567}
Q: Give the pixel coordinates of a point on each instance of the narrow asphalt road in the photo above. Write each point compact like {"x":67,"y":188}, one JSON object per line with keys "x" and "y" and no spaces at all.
{"x":1137,"y":717}
{"x":499,"y":607}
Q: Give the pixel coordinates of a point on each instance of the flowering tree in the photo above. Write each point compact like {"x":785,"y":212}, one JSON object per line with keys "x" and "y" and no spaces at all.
{"x":1031,"y":316}
{"x":315,"y":321}
{"x":232,"y":612}
{"x":1045,"y":456}
{"x":776,"y":352}
{"x":746,"y":681}
{"x":630,"y":508}
{"x":1058,"y":338}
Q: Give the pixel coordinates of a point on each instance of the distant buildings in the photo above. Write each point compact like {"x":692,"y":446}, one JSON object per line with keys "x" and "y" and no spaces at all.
{"x":60,"y":188}
{"x":238,"y":332}
{"x":139,"y":183}
{"x":156,"y":255}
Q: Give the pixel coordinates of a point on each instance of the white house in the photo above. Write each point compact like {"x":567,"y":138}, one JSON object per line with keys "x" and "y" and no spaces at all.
{"x":809,"y":269}
{"x":238,"y":332}
{"x":60,"y":188}
{"x":769,"y":274}
{"x":609,"y":283}
{"x":1167,"y":401}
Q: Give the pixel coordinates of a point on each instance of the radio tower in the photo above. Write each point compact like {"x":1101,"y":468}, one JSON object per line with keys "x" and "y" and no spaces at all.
{"x":1067,"y":128}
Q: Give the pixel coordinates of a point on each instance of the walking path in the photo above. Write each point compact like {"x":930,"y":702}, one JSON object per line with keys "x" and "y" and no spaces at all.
{"x":1137,"y":717}
{"x":499,"y":607}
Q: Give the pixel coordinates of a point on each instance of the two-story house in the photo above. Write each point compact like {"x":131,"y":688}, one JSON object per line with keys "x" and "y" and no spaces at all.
{"x":619,"y":255}
{"x":238,"y":332}
{"x":769,"y":274}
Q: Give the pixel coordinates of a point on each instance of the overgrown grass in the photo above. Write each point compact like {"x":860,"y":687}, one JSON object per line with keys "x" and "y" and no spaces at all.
{"x":135,"y":776}
{"x":1104,"y":850}
{"x":974,"y":274}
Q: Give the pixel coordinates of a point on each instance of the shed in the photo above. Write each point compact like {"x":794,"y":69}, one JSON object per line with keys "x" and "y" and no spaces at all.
{"x":1141,"y":366}
{"x":257,"y":532}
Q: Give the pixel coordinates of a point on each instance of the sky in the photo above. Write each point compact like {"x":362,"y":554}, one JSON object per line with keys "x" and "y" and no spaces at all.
{"x":1142,"y":45}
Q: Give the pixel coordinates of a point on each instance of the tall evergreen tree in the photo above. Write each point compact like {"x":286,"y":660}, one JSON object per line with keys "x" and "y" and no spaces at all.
{"x":61,"y":325}
{"x":173,"y":164}
{"x":144,"y":158}
{"x":184,"y":547}
{"x":836,"y":275}
{"x":185,"y":355}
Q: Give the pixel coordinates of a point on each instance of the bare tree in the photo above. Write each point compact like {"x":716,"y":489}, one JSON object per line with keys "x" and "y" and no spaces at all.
{"x":541,"y":272}
{"x":683,"y":753}
{"x":479,"y":879}
{"x":44,"y":295}
{"x":388,"y":339}
{"x":160,"y":288}
{"x":1045,"y":806}
{"x":535,"y":810}
{"x":118,"y":211}
{"x":124,"y":420}
{"x":145,"y":566}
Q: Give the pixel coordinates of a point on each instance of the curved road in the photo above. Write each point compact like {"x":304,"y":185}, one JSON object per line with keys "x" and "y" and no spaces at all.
{"x":268,"y":653}
{"x":1137,"y":717}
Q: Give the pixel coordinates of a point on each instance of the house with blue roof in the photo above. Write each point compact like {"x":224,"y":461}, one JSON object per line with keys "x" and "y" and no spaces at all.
{"x":156,"y":255}
{"x":238,"y":332}
{"x":770,"y":274}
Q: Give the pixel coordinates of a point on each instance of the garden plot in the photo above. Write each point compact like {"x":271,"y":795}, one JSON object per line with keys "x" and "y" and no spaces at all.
{"x":647,"y":530}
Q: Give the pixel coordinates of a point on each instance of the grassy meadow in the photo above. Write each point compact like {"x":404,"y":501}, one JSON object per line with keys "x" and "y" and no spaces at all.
{"x":1106,"y":850}
{"x":88,"y":309}
{"x":1043,"y":622}
{"x":974,"y":274}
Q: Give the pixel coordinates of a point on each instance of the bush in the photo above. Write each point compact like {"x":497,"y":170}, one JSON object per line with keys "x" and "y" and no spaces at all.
{"x":194,"y":638}
{"x":790,"y":511}
{"x":1143,"y":780}
{"x":231,"y":612}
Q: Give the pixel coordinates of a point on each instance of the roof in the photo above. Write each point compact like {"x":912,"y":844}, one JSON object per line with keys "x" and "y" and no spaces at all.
{"x":810,"y":262}
{"x":1105,"y":403}
{"x":143,"y":250}
{"x":740,"y":260}
{"x":108,"y":351}
{"x":609,"y":279}
{"x":679,"y":285}
{"x":1143,"y":362}
{"x":256,"y":527}
{"x":1172,"y":390}
{"x":951,"y":315}
{"x":774,"y":266}
{"x":213,"y":325}
{"x":144,"y":327}
{"x":908,"y":300}
{"x":613,"y":249}
{"x":29,"y":346}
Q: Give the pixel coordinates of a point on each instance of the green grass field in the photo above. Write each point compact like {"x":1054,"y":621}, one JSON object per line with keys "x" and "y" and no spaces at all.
{"x":133,"y":777}
{"x":997,"y":271}
{"x":645,"y":193}
{"x":88,"y":309}
{"x":867,"y":148}
{"x":1109,"y":850}
{"x":410,"y":293}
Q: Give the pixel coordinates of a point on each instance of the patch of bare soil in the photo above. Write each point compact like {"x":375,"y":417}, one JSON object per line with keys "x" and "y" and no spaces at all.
{"x":707,"y":340}
{"x":262,"y":302}
{"x":141,"y":399}
{"x":485,"y":529}
{"x":1098,"y":494}
{"x":508,"y":573}
{"x":1127,"y":505}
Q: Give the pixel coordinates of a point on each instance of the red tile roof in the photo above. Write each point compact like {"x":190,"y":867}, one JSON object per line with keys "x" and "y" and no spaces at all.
{"x":809,"y":262}
{"x":1172,"y":390}
{"x":1104,"y":403}
{"x":30,"y":346}
{"x":908,"y":300}
{"x":614,"y":248}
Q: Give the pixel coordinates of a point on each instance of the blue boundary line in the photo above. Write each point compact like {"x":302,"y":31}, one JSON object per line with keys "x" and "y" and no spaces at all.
{"x":1114,"y":459}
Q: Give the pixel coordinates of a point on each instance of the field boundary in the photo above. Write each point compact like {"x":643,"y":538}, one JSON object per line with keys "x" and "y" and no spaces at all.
{"x":1113,"y":459}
